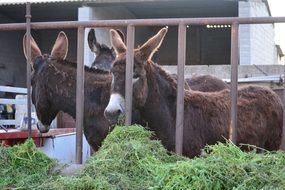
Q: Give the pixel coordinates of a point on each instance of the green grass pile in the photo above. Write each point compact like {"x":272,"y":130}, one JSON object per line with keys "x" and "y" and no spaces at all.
{"x":129,"y":160}
{"x":24,"y":167}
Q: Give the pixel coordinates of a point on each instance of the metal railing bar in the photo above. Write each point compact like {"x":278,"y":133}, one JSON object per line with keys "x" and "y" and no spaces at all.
{"x":18,"y":90}
{"x":129,"y":73}
{"x":282,"y":146}
{"x":234,"y":79}
{"x":28,"y":48}
{"x":181,"y":58}
{"x":79,"y":94}
{"x":142,"y":22}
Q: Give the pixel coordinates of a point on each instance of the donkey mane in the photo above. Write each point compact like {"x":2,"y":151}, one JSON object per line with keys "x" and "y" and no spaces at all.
{"x":189,"y":93}
{"x":74,"y":65}
{"x":168,"y":77}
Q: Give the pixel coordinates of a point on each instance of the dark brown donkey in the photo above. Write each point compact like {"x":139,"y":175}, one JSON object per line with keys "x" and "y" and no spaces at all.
{"x":104,"y":56}
{"x":206,"y":114}
{"x":54,"y":89}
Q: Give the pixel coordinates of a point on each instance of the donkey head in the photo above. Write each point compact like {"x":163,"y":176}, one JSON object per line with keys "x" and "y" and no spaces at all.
{"x":40,"y":91}
{"x":142,"y":58}
{"x":104,"y":56}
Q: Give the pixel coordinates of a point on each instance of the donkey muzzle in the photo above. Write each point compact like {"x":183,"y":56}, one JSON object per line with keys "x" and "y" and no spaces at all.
{"x":43,"y":128}
{"x":113,"y":116}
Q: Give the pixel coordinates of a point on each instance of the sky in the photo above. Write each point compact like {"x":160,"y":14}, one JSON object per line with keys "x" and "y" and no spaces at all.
{"x":277,"y":9}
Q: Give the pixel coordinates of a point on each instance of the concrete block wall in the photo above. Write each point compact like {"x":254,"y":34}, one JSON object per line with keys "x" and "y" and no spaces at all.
{"x":256,"y":41}
{"x":224,"y":71}
{"x":12,"y":62}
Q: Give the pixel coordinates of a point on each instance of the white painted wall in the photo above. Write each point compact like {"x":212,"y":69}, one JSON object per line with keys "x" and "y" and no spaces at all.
{"x":62,"y":148}
{"x":256,"y":41}
{"x":86,"y":14}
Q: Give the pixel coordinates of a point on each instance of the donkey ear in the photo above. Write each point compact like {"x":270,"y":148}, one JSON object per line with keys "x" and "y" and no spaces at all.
{"x":121,"y":34}
{"x":146,"y":51}
{"x":92,"y":42}
{"x":35,"y":50}
{"x":117,"y":42}
{"x":60,"y":47}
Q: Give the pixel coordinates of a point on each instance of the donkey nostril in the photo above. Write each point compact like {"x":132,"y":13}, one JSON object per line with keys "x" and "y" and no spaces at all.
{"x":112,"y":114}
{"x":118,"y":112}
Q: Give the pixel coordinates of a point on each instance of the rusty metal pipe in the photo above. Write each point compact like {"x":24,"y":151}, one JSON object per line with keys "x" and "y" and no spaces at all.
{"x":28,"y":48}
{"x":129,"y":73}
{"x":234,"y":79}
{"x":181,"y":58}
{"x":79,"y":94}
{"x":142,"y":22}
{"x":282,"y":146}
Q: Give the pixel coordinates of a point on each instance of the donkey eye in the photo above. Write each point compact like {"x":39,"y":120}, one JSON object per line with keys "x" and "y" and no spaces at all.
{"x":135,"y":76}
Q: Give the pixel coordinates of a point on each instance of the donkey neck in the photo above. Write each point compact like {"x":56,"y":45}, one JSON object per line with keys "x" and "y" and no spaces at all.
{"x":159,"y":109}
{"x":61,"y":86}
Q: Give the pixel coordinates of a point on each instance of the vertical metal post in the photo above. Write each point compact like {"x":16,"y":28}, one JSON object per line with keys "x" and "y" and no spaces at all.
{"x":28,"y":48}
{"x":180,"y":88}
{"x":129,"y":73}
{"x":282,"y":146}
{"x":234,"y":79}
{"x":79,"y":94}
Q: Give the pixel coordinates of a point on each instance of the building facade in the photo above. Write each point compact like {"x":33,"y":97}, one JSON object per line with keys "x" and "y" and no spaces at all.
{"x":206,"y":45}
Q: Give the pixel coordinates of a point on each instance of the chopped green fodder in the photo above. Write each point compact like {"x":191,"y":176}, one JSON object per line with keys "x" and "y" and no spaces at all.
{"x":24,"y":166}
{"x":129,"y":160}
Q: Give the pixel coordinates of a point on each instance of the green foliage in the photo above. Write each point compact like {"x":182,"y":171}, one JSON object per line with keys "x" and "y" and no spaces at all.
{"x":129,"y":160}
{"x":23,"y":166}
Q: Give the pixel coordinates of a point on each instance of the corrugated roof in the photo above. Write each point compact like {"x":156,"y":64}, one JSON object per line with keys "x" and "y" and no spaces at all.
{"x":19,"y":2}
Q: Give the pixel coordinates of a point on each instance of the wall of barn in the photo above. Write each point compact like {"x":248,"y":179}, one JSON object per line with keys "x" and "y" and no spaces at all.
{"x":206,"y":46}
{"x":46,"y":39}
{"x":12,"y":60}
{"x":256,"y":41}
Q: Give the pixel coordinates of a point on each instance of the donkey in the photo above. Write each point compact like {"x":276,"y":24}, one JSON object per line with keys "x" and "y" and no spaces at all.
{"x":104,"y":56}
{"x":206,"y":114}
{"x":54,"y":90}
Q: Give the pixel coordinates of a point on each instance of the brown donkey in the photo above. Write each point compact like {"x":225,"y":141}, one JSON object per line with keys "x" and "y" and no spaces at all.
{"x":206,"y":114}
{"x":104,"y":56}
{"x":54,"y":90}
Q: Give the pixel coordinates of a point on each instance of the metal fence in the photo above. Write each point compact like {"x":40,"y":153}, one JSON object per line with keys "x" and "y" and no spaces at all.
{"x":131,"y":24}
